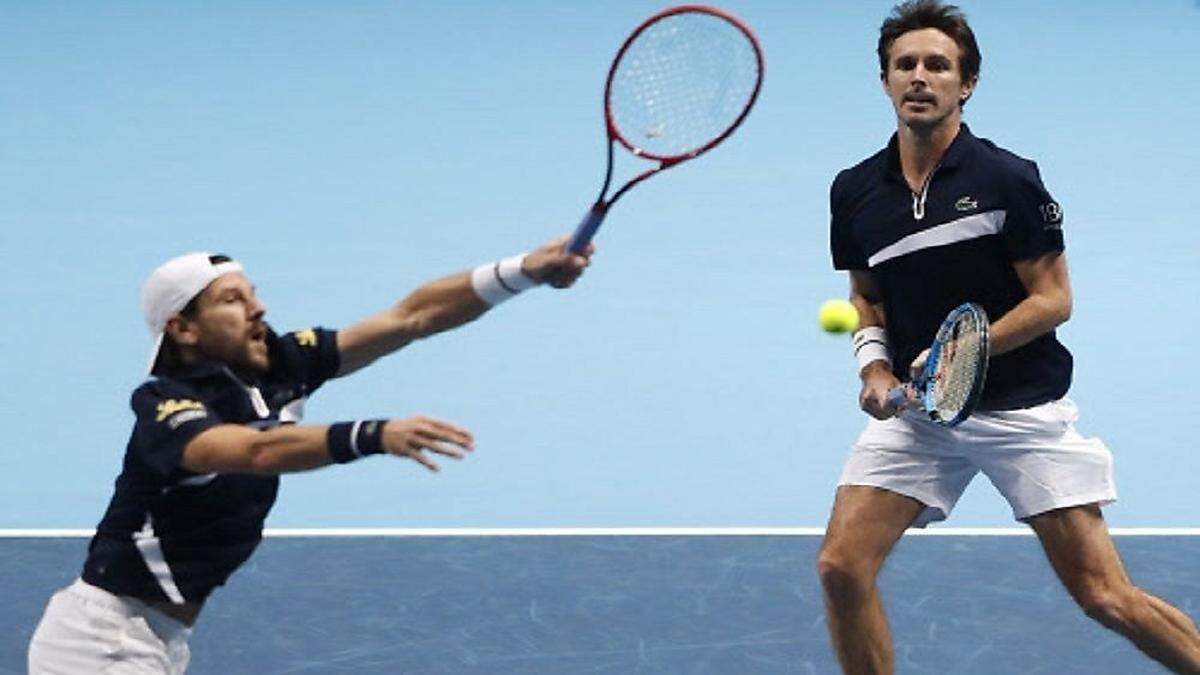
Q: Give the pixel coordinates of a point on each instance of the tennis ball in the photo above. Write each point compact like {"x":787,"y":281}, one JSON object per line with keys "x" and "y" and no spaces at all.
{"x":838,"y":316}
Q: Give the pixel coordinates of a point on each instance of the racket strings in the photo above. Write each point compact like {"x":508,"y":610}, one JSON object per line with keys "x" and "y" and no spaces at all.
{"x":682,"y":82}
{"x":957,"y":366}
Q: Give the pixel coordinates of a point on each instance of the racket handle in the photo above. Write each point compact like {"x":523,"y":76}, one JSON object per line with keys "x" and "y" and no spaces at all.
{"x":898,"y":397}
{"x":587,"y":228}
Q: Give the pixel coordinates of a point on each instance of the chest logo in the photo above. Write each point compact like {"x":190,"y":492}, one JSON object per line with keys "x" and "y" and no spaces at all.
{"x":171,"y":406}
{"x":306,"y":337}
{"x":966,"y":203}
{"x":180,"y":411}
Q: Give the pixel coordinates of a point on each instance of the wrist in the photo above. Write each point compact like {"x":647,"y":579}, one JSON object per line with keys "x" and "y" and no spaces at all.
{"x":871,"y":349}
{"x":877,"y":368}
{"x":498,"y":281}
{"x":348,"y":441}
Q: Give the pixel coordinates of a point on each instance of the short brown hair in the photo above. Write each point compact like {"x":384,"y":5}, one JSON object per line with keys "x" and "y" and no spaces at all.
{"x":917,"y":14}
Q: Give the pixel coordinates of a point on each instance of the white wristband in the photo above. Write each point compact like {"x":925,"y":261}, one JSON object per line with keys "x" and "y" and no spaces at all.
{"x":870,"y":345}
{"x":496,"y":282}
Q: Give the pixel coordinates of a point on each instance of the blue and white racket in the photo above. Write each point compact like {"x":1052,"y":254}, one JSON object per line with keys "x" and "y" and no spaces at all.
{"x":951,"y":381}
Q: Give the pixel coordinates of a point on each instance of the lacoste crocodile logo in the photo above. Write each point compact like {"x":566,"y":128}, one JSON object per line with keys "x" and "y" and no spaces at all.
{"x":966,"y":203}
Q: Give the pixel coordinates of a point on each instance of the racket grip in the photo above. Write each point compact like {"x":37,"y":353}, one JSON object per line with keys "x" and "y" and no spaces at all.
{"x":587,"y":228}
{"x":898,"y":397}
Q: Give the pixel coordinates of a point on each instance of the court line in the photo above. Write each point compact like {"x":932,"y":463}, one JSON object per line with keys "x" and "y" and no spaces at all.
{"x":619,"y":532}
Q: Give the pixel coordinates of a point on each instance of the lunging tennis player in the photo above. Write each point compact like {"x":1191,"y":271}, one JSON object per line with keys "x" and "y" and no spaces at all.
{"x":937,"y":218}
{"x":215,"y":426}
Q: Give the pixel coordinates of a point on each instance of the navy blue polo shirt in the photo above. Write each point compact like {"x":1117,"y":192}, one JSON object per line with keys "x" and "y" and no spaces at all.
{"x":174,"y":535}
{"x":982,"y":209}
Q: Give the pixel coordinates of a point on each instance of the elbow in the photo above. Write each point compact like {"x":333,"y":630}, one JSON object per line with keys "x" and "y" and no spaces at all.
{"x":260,"y":459}
{"x":1064,"y":307}
{"x":415,"y":319}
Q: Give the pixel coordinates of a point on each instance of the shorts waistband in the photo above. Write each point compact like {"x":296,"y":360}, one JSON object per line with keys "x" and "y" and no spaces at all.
{"x":167,"y":627}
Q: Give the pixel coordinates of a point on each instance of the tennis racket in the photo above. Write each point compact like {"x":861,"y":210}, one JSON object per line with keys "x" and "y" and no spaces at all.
{"x":680,"y":84}
{"x":951,"y":381}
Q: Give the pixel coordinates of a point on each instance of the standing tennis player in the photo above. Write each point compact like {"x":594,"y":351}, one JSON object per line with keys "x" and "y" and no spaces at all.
{"x":937,"y":218}
{"x":215,"y":426}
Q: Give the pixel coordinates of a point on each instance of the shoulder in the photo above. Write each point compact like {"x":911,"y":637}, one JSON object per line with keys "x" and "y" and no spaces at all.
{"x":309,"y":355}
{"x":164,"y":397}
{"x":853,"y":181}
{"x":1007,"y":165}
{"x":158,"y":387}
{"x":294,"y":346}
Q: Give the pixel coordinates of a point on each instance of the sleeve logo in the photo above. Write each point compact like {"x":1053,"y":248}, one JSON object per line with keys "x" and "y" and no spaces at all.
{"x":306,"y":337}
{"x":1052,"y":215}
{"x":178,"y":411}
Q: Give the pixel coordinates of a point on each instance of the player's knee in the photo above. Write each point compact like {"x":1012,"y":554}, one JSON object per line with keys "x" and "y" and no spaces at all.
{"x":843,"y":575}
{"x":1110,"y":607}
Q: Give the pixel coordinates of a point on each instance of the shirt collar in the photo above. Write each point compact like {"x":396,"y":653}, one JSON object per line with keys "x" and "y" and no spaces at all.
{"x":955,"y":154}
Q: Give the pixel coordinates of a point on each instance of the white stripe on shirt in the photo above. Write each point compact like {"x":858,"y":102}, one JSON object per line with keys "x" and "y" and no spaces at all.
{"x":148,"y":545}
{"x":970,"y":227}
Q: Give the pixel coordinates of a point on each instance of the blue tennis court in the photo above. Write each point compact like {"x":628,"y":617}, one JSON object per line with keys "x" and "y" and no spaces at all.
{"x":621,"y":604}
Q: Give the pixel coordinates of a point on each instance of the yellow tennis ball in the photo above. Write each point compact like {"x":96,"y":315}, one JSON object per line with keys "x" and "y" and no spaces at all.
{"x":838,"y":316}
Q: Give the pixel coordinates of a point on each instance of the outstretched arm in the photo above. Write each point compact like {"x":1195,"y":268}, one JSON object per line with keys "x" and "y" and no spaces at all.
{"x":452,"y":301}
{"x":234,"y":448}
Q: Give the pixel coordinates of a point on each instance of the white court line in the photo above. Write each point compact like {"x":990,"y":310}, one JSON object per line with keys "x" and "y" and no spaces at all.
{"x":621,"y":532}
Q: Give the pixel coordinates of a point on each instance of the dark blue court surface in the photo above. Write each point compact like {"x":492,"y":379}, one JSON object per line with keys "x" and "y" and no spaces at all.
{"x":621,"y":604}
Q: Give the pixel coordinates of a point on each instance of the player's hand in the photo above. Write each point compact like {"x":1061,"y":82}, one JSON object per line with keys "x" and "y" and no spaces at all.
{"x":918,"y":364}
{"x":415,"y":436}
{"x":554,"y":265}
{"x":878,"y":380}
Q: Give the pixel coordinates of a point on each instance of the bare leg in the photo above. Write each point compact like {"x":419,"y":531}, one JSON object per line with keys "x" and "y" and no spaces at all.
{"x":1082,"y":553}
{"x":866,"y":523}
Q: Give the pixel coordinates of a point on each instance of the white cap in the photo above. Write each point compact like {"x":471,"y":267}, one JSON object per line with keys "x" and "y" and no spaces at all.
{"x":172,"y":286}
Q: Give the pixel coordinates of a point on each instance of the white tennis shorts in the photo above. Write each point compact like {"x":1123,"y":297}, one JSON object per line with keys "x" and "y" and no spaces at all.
{"x":86,"y":629}
{"x":1034,"y":456}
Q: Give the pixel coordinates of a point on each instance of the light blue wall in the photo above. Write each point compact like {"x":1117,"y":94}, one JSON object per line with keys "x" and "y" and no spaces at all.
{"x":346,"y":152}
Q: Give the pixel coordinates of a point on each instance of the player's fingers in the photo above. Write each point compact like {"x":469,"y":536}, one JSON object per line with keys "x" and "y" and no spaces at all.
{"x":875,"y":406}
{"x":438,"y":443}
{"x":453,"y":433}
{"x":436,"y":431}
{"x":562,"y":278}
{"x":445,"y":449}
{"x":420,"y":458}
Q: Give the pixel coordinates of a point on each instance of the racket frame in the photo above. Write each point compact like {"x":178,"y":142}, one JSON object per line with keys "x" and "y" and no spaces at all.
{"x":595,"y":215}
{"x":921,"y":387}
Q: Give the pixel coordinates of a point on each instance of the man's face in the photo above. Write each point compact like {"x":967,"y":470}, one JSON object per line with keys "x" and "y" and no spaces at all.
{"x":228,"y":325}
{"x":923,"y":79}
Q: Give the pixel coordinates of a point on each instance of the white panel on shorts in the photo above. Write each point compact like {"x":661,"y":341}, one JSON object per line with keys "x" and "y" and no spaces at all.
{"x":86,"y":629}
{"x":1034,"y":457}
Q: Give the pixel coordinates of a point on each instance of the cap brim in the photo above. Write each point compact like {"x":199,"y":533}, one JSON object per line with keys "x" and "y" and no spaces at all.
{"x":154,"y":353}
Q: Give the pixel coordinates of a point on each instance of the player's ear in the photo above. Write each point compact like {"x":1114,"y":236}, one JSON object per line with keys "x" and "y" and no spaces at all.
{"x":182,"y":331}
{"x":968,"y":88}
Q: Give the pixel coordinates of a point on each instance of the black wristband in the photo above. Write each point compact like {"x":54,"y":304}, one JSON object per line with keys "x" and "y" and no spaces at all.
{"x":349,"y":441}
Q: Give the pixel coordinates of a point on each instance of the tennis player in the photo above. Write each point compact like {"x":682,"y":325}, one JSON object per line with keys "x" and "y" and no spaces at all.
{"x":216,"y":424}
{"x":937,"y":218}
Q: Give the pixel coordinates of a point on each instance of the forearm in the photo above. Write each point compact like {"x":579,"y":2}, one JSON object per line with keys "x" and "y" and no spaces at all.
{"x":289,"y":448}
{"x":236,"y":448}
{"x":870,"y":312}
{"x":437,"y":306}
{"x":1033,"y":317}
{"x":870,"y":340}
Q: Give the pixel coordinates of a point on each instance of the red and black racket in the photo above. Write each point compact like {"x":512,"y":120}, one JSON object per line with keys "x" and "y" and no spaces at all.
{"x":681,"y":83}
